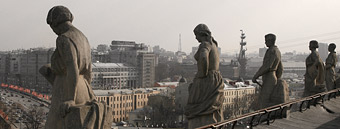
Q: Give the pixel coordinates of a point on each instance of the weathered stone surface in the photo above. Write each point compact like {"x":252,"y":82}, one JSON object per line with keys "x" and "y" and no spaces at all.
{"x":70,"y":75}
{"x":204,"y":120}
{"x":82,"y":117}
{"x":330,"y":67}
{"x":280,"y":93}
{"x":315,"y":76}
{"x":206,"y":92}
{"x":274,"y":90}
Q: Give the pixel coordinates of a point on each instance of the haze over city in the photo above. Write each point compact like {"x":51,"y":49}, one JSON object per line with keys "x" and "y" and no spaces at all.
{"x":160,"y":22}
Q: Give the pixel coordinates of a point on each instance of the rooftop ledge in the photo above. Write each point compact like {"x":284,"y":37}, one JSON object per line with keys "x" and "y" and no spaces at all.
{"x":320,"y":111}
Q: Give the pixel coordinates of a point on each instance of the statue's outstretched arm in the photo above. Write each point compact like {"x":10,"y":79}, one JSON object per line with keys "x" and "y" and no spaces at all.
{"x":267,"y":65}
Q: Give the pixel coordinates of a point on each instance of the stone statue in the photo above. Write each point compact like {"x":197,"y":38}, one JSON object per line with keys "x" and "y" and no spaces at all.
{"x":314,"y":77}
{"x":73,"y":103}
{"x":206,"y":92}
{"x":330,"y":67}
{"x":274,"y":90}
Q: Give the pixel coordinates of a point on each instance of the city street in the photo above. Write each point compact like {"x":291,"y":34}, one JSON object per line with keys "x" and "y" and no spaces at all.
{"x":10,"y":97}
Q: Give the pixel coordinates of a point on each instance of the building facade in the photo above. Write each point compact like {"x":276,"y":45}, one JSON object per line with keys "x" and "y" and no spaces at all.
{"x":323,"y":51}
{"x":31,"y":61}
{"x":238,"y":98}
{"x":138,"y":55}
{"x":114,"y":76}
{"x":262,"y":51}
{"x":146,"y":65}
{"x":21,"y":67}
{"x":124,"y":101}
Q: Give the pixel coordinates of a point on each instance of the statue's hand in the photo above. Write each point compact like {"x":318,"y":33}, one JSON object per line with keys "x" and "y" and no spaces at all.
{"x":254,"y":79}
{"x":65,"y":107}
{"x":45,"y":70}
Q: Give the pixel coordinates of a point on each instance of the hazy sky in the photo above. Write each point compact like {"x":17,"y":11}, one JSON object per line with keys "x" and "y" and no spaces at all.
{"x":159,"y":22}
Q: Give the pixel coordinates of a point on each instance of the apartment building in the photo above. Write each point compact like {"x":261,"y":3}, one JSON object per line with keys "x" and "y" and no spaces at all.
{"x":123,"y":101}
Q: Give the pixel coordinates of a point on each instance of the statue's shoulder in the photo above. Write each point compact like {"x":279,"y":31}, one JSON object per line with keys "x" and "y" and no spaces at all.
{"x":315,"y":54}
{"x":271,"y":50}
{"x":63,"y":41}
{"x":205,"y":45}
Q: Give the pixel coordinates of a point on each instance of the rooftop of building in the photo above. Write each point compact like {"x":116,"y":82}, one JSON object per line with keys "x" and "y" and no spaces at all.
{"x":167,"y":83}
{"x":128,"y":91}
{"x":237,"y":85}
{"x":232,"y":84}
{"x":293,"y":63}
{"x":110,"y":65}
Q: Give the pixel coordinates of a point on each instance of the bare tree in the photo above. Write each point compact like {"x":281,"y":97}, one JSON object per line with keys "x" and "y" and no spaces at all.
{"x":34,"y":118}
{"x":160,"y":110}
{"x":240,"y":105}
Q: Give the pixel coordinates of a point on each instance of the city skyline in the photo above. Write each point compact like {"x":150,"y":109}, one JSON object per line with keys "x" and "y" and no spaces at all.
{"x":159,"y":23}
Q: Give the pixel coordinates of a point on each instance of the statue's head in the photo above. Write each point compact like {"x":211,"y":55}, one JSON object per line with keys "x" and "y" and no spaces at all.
{"x":202,"y":32}
{"x":270,"y":39}
{"x":331,"y":47}
{"x":58,"y":15}
{"x":313,"y":45}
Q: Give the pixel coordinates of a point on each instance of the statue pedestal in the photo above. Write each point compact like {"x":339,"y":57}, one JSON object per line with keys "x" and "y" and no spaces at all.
{"x":89,"y":117}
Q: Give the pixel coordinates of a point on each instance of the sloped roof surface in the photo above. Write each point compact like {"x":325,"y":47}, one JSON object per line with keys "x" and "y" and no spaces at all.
{"x":314,"y":118}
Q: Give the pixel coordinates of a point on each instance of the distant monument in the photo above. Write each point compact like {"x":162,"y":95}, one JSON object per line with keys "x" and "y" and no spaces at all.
{"x":206,"y":92}
{"x":330,"y":67}
{"x":274,"y":90}
{"x":74,"y":104}
{"x":242,"y":60}
{"x":314,"y":77}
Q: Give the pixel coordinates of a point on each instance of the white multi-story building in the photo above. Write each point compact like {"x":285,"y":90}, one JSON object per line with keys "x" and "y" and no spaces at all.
{"x":114,"y":76}
{"x":239,"y":97}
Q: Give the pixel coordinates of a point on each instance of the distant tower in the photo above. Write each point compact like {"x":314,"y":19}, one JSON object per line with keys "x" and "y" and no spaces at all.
{"x":180,"y":44}
{"x":242,"y":56}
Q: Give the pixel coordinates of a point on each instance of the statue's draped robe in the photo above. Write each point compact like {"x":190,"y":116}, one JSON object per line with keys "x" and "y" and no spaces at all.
{"x":270,"y":70}
{"x":330,"y":70}
{"x":71,"y":65}
{"x":314,"y":77}
{"x":206,"y":92}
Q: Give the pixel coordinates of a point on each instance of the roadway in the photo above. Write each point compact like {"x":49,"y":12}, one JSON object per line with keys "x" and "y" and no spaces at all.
{"x":26,"y":101}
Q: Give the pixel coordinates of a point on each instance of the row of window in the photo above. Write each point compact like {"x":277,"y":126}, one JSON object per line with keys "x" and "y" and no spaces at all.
{"x":116,"y":74}
{"x":231,"y":100}
{"x":112,"y":69}
{"x":239,"y":92}
{"x":128,"y":104}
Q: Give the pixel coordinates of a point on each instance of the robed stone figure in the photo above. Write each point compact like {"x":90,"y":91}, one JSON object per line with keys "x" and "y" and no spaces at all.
{"x":330,"y":67}
{"x":273,"y":90}
{"x":206,"y":92}
{"x":315,"y":71}
{"x":73,"y":104}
